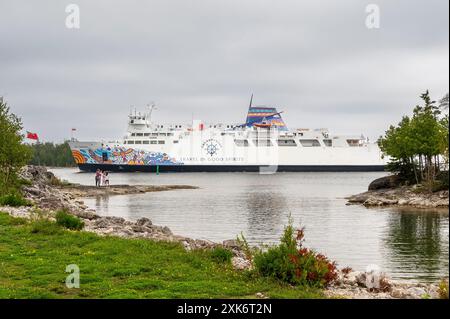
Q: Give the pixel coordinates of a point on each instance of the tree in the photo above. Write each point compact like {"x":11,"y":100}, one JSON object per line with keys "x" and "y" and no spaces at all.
{"x":417,"y":144}
{"x":13,"y":153}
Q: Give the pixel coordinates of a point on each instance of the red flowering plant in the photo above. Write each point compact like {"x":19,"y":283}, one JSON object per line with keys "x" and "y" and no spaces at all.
{"x":291,"y":262}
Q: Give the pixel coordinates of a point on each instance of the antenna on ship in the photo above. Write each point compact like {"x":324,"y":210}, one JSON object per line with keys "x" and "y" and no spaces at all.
{"x":251,"y":101}
{"x":151,"y":106}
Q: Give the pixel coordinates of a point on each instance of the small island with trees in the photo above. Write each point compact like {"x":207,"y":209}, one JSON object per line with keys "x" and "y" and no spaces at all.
{"x":418,"y":151}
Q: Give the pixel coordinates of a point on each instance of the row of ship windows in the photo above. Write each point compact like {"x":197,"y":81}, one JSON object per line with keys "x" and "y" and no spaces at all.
{"x":151,"y":134}
{"x":304,"y":143}
{"x":147,"y":142}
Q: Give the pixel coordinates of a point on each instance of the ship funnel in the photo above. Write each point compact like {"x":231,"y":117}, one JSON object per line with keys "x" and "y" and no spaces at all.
{"x":259,"y":114}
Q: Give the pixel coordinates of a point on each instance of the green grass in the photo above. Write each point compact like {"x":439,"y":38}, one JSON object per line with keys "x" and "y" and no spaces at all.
{"x":33,"y":259}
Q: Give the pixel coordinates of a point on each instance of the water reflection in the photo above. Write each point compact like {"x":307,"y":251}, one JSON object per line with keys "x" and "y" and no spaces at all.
{"x":266,"y":211}
{"x":415,"y":242}
{"x":102,"y":202}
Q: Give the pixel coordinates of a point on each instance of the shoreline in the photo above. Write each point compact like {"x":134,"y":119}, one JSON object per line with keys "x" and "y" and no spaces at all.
{"x":87,"y":191}
{"x":384,"y":192}
{"x":49,"y":198}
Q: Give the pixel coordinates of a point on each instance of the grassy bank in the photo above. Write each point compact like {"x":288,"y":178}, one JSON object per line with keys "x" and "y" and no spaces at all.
{"x":34,"y":256}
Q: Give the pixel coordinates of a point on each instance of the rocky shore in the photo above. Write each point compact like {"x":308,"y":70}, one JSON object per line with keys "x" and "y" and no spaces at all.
{"x":355,"y":285}
{"x":384,"y":192}
{"x":48,"y":195}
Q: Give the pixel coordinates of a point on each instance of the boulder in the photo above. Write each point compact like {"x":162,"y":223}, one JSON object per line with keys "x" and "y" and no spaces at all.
{"x":230,"y":243}
{"x":143,"y":221}
{"x":390,"y":181}
{"x":240,"y":263}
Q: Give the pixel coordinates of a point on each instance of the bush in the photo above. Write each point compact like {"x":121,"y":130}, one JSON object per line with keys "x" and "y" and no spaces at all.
{"x":68,"y":221}
{"x":292,"y":263}
{"x":14,"y":200}
{"x":443,"y":179}
{"x":443,"y":289}
{"x":46,"y":227}
{"x":221,"y":255}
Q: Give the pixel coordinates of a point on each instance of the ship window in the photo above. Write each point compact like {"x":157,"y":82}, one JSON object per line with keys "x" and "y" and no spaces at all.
{"x":328,"y":142}
{"x":145,"y":142}
{"x":161,"y":142}
{"x":137,"y":142}
{"x":146,"y":134}
{"x":262,"y":142}
{"x":310,"y":143}
{"x":154,"y":134}
{"x":133,"y":134}
{"x":169,"y":134}
{"x":286,"y":143}
{"x":130,"y":142}
{"x":152,"y":142}
{"x":241,"y":142}
{"x":175,"y":142}
{"x":162,"y":134}
{"x":139,"y":134}
{"x":353,"y":142}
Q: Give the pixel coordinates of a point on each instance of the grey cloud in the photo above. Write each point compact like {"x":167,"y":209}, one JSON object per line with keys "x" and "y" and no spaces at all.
{"x":316,"y":60}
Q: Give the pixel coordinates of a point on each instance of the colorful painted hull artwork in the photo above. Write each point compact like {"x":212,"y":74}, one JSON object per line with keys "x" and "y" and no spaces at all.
{"x":122,"y":156}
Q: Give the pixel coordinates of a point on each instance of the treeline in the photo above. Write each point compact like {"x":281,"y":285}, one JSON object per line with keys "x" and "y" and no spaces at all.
{"x":50,"y":154}
{"x":418,"y":146}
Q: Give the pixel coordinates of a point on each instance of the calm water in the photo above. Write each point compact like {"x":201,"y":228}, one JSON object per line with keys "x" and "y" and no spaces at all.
{"x":407,"y":244}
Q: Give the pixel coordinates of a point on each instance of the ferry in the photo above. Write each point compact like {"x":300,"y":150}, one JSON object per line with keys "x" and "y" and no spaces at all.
{"x":263,"y":143}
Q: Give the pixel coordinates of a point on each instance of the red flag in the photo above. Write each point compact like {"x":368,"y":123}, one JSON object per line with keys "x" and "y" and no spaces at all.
{"x":32,"y":136}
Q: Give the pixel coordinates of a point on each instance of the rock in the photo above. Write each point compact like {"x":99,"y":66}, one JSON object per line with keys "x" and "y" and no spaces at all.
{"x":241,"y":263}
{"x":416,"y":292}
{"x":390,"y":181}
{"x":143,"y":221}
{"x":101,"y":223}
{"x":139,"y":229}
{"x":115,"y":220}
{"x":230,"y":243}
{"x":166,"y":230}
{"x":260,"y":295}
{"x":85,"y":214}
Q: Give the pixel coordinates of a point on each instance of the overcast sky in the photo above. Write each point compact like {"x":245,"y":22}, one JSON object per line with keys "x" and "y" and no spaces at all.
{"x":315,"y":60}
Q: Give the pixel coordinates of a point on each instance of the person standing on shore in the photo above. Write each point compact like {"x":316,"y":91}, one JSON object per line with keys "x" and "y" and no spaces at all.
{"x":106,"y":179}
{"x":98,"y":174}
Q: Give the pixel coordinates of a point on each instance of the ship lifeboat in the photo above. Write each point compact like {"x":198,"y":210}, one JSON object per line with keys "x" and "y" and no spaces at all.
{"x":263,"y":125}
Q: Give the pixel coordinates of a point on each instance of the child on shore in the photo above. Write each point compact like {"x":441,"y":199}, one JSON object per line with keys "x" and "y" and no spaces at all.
{"x":106,"y":179}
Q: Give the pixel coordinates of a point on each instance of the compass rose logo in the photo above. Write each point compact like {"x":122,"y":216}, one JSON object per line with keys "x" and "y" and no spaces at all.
{"x":211,"y":147}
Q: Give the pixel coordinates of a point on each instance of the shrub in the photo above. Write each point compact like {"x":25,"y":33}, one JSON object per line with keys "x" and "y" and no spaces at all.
{"x":292,"y":263}
{"x":14,"y":200}
{"x":221,"y":255}
{"x":46,"y":227}
{"x":443,"y":289}
{"x":68,"y":221}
